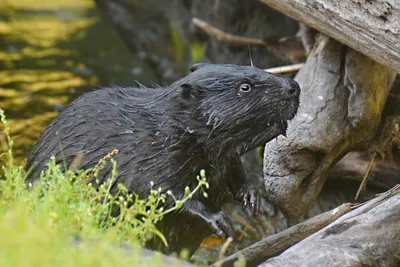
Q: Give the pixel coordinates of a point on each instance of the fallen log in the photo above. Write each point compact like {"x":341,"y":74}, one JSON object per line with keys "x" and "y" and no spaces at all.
{"x":366,"y":236}
{"x":370,"y":27}
{"x":341,"y":103}
{"x":274,"y":244}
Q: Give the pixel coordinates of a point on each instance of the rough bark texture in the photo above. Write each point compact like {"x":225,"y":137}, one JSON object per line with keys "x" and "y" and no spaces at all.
{"x":274,"y":244}
{"x":367,"y":236}
{"x":370,"y":27}
{"x":343,"y":95}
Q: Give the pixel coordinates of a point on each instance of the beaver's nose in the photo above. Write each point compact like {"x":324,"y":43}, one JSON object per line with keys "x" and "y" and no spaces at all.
{"x":292,"y":88}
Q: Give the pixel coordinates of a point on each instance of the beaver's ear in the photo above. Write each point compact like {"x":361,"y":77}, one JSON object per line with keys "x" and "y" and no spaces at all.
{"x":189,"y":90}
{"x":196,"y":66}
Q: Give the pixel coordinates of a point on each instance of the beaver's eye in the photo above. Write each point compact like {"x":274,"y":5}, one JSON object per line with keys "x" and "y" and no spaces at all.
{"x":245,"y":87}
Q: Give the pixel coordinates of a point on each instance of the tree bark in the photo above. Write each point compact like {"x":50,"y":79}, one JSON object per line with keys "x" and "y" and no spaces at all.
{"x":367,"y":236}
{"x":343,"y":94}
{"x":370,"y":27}
{"x":274,"y":244}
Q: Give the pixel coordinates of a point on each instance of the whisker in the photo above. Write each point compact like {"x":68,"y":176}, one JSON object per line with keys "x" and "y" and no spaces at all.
{"x":251,"y":57}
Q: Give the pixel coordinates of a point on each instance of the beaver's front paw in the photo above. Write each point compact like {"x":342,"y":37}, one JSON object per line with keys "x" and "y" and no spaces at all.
{"x":250,"y":198}
{"x":220,"y":225}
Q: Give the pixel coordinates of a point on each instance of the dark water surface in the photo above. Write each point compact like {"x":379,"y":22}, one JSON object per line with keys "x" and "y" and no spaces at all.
{"x":51,"y":52}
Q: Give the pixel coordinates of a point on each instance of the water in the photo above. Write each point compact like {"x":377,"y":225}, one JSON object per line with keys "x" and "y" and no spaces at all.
{"x":51,"y":52}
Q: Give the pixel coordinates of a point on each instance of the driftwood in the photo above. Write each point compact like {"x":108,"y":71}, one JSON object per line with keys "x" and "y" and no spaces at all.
{"x":370,"y":27}
{"x":343,"y":94}
{"x":274,"y":244}
{"x":222,"y":36}
{"x":283,"y":69}
{"x":367,"y":236}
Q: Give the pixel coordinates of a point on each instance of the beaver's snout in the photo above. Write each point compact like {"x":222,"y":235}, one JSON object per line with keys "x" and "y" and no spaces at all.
{"x":291,"y":97}
{"x":292,"y":89}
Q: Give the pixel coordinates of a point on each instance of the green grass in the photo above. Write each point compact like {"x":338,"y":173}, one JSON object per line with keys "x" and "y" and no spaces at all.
{"x":37,"y":223}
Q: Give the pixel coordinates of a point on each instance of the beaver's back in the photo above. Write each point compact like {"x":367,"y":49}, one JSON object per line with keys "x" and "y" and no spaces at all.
{"x":99,"y":122}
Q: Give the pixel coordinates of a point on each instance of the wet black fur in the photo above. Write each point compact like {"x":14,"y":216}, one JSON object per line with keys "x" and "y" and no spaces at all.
{"x":167,"y":135}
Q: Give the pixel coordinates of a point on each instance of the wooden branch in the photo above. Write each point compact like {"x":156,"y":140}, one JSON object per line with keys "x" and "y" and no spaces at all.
{"x":341,"y":102}
{"x":284,"y":69}
{"x":306,"y":35}
{"x":370,"y":27}
{"x":226,"y":37}
{"x":286,"y":48}
{"x":364,"y":180}
{"x":366,"y":236}
{"x":274,"y":244}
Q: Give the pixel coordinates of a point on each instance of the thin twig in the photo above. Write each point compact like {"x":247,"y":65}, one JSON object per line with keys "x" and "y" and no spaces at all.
{"x":283,"y":69}
{"x":226,"y":37}
{"x":244,"y":224}
{"x":364,"y":180}
{"x":241,"y":41}
{"x":396,"y":187}
{"x":224,"y":248}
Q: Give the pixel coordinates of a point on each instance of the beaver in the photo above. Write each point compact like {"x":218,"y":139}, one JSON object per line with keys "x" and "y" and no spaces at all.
{"x":166,"y":136}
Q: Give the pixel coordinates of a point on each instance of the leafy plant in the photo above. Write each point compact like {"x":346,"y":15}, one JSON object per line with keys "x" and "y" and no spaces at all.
{"x":44,"y":216}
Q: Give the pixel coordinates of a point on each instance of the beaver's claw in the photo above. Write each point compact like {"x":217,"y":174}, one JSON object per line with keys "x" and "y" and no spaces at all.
{"x":250,"y":198}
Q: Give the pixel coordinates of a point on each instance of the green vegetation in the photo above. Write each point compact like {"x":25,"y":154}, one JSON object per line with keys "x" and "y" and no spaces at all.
{"x":197,"y":51}
{"x":37,"y":223}
{"x":177,"y":46}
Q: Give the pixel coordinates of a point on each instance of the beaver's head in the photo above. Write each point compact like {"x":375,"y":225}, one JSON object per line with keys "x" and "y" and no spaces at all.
{"x":240,"y":103}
